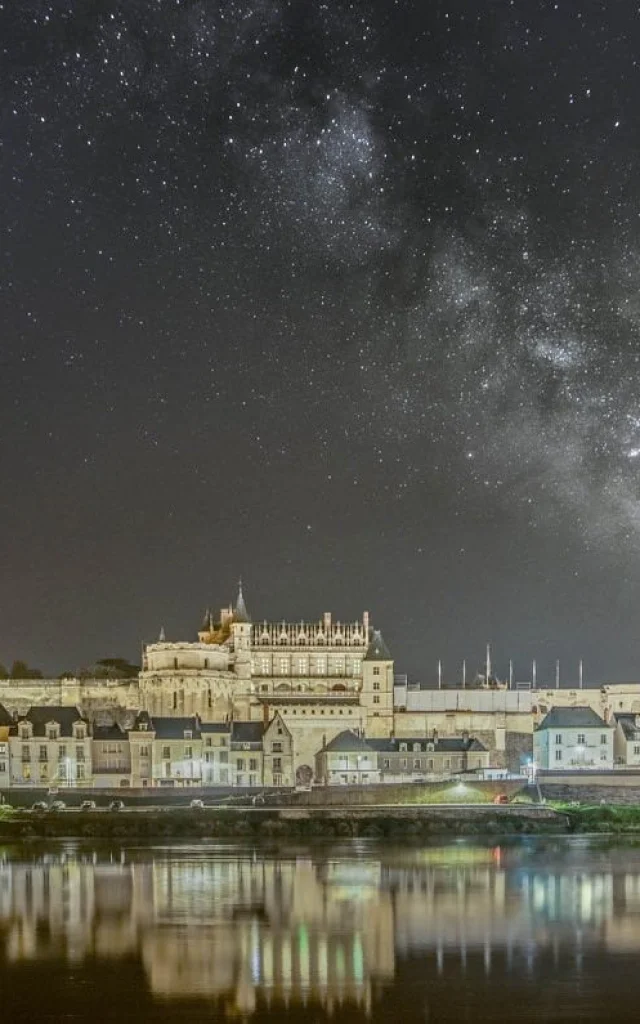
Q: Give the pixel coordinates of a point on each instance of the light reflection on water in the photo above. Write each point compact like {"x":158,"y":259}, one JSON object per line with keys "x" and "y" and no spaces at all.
{"x":331,"y":926}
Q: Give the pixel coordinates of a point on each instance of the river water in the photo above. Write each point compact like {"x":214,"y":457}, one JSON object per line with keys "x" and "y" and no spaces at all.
{"x":532,"y":929}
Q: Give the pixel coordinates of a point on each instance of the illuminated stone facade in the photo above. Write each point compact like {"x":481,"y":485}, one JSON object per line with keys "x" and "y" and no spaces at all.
{"x":319,"y":677}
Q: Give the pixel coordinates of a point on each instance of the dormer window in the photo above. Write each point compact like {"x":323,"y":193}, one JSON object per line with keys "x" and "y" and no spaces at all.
{"x":53,"y":731}
{"x":25,"y":731}
{"x":403,"y":746}
{"x":188,"y":734}
{"x":416,"y":746}
{"x":79,"y":730}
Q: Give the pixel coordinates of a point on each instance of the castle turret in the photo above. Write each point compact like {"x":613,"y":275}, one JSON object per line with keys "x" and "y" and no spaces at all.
{"x":240,"y":623}
{"x":377,"y":686}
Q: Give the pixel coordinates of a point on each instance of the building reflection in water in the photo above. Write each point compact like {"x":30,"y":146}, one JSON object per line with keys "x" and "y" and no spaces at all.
{"x":244,"y":926}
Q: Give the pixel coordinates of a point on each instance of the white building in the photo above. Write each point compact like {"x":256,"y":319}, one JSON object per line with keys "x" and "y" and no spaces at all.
{"x":573,"y":738}
{"x":51,"y":746}
{"x":626,"y":740}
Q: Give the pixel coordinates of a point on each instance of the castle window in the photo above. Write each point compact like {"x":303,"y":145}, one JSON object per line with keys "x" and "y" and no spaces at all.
{"x":206,"y":663}
{"x":175,"y":662}
{"x":376,"y":700}
{"x":376,"y":671}
{"x":376,"y":686}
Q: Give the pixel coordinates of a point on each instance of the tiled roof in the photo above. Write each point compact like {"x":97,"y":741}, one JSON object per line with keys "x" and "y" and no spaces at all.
{"x":582,"y":717}
{"x":65,"y":716}
{"x":348,"y":742}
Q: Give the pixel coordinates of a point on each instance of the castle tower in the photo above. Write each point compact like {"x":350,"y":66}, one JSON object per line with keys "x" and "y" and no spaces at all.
{"x":240,"y":623}
{"x":376,"y":695}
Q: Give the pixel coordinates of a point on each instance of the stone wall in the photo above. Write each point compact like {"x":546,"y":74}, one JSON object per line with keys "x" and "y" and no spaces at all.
{"x":18,"y":695}
{"x":612,"y":787}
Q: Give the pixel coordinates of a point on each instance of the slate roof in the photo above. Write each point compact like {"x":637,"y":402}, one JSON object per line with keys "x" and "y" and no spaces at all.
{"x":64,"y":715}
{"x":316,"y":698}
{"x":5,"y":717}
{"x":175,"y":728}
{"x":628,"y":725}
{"x":240,"y":613}
{"x":215,"y":727}
{"x":246,"y":732}
{"x":109,"y":732}
{"x":377,"y":649}
{"x":347,"y":742}
{"x":572,"y":718}
{"x":446,"y":745}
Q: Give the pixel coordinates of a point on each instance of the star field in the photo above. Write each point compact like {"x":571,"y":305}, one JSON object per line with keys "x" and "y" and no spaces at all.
{"x":341,"y":298}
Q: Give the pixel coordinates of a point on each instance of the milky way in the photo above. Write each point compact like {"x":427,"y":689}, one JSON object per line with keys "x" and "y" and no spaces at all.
{"x":340,"y":275}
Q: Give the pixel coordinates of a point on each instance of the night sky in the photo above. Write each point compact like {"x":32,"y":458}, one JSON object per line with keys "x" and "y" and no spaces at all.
{"x":343,"y":298}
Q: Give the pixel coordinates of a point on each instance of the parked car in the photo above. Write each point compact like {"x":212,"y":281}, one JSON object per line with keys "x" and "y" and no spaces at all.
{"x":39,"y":805}
{"x":501,"y":798}
{"x":88,"y":805}
{"x":116,"y":805}
{"x":57,"y":805}
{"x":197,"y":805}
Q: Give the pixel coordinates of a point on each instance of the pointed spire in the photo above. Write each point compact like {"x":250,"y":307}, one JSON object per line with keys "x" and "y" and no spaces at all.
{"x":162,"y":637}
{"x":240,"y":613}
{"x":377,"y":649}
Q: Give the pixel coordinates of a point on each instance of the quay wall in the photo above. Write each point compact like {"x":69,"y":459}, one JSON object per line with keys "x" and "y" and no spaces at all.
{"x":620,"y":786}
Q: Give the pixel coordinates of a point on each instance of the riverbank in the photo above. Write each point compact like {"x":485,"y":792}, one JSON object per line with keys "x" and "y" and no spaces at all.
{"x":335,"y":822}
{"x":299,"y":822}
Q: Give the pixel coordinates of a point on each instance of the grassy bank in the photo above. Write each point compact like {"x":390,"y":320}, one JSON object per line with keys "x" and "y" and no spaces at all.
{"x":616,"y":818}
{"x":312,"y":823}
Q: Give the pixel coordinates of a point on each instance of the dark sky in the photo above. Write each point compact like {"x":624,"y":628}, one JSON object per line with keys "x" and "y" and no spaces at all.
{"x":342,"y":298}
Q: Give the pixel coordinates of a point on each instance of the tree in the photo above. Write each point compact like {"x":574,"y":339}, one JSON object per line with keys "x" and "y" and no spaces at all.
{"x":20,"y":670}
{"x":117,"y":668}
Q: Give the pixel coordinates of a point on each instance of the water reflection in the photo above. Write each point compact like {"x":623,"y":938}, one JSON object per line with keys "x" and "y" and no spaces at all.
{"x":243,"y":925}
